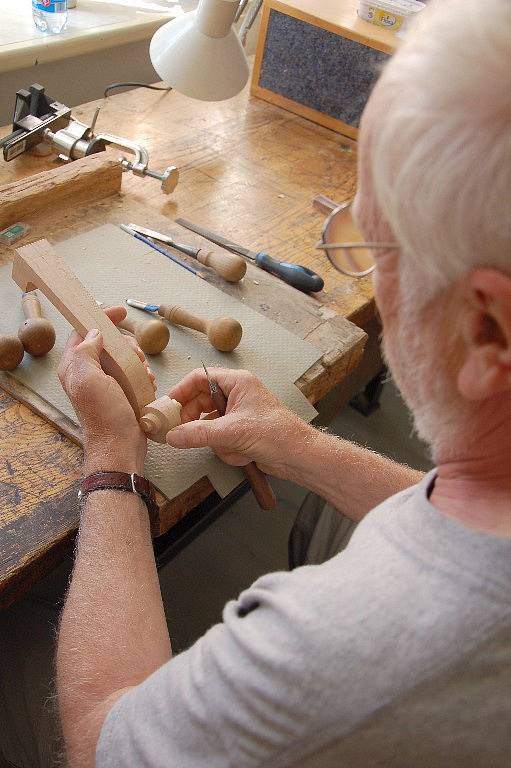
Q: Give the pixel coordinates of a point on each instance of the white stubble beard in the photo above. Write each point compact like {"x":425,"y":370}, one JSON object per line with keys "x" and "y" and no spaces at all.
{"x":418,"y":352}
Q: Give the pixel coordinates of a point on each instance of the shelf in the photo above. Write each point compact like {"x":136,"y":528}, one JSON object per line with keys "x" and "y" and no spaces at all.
{"x":93,"y":26}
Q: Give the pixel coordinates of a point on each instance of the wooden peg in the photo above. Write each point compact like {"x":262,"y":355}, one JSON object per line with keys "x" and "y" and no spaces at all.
{"x":224,"y":333}
{"x":230,"y":266}
{"x":160,"y":417}
{"x":36,"y":334}
{"x":11,"y":352}
{"x":152,"y":335}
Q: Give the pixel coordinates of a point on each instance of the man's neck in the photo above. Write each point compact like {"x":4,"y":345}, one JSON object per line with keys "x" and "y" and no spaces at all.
{"x":476,"y":490}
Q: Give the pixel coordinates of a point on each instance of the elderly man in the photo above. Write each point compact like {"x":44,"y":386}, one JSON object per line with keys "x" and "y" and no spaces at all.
{"x":395,"y":652}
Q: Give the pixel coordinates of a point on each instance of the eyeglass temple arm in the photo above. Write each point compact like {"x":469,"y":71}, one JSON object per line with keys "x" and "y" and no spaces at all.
{"x":336,"y":246}
{"x":324,"y":204}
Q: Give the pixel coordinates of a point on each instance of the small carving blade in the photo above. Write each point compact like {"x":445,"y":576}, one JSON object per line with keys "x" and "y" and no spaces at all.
{"x":213,"y":385}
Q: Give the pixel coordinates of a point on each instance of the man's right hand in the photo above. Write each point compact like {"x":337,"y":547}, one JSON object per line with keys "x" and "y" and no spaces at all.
{"x":256,"y":427}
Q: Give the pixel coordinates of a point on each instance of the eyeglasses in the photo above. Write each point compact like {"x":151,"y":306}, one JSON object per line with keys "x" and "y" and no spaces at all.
{"x":342,"y":241}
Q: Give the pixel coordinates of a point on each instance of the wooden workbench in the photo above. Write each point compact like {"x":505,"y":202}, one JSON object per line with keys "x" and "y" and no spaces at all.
{"x":248,"y":170}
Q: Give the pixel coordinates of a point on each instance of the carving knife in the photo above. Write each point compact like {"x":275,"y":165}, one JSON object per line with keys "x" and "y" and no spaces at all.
{"x":300,"y":277}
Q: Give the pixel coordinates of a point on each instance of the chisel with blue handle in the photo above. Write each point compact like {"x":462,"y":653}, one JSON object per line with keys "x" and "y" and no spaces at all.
{"x":300,"y":277}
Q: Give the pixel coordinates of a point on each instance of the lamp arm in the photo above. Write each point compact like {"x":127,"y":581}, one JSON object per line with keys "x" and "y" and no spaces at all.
{"x":249,"y":19}
{"x":241,"y":8}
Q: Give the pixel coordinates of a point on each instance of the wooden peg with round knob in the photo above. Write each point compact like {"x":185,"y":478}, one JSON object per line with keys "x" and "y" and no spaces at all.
{"x":11,"y":352}
{"x":36,"y":333}
{"x":224,"y":333}
{"x":152,"y":335}
{"x":159,"y":417}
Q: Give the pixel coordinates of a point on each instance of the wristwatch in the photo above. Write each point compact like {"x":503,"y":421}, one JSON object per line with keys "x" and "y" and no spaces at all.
{"x":120,"y":481}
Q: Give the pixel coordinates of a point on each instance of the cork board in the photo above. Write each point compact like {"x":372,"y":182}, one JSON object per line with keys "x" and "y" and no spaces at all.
{"x":114,"y":266}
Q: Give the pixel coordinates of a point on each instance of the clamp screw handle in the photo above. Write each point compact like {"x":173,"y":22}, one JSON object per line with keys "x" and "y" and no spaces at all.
{"x":168,"y":178}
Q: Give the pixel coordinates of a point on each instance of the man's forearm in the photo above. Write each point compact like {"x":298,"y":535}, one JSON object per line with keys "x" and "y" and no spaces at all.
{"x":353,"y":479}
{"x":113,"y":632}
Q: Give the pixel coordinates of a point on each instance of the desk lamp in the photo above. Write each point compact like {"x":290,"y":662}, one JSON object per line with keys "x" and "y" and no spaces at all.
{"x":200,"y":54}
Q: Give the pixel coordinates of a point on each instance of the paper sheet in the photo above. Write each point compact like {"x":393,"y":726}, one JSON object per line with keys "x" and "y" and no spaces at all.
{"x":114,"y":266}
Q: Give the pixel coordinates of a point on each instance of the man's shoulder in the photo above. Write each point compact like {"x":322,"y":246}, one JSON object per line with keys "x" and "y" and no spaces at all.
{"x":410,"y":588}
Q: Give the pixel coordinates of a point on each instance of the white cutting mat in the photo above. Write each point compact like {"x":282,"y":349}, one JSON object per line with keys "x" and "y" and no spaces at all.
{"x":114,"y":266}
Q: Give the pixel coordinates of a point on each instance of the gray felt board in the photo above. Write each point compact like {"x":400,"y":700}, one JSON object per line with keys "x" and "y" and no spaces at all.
{"x":115,"y":266}
{"x":318,"y":68}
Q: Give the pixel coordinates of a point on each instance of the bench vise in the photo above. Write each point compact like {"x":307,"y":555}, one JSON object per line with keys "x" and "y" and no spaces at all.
{"x":42,"y":122}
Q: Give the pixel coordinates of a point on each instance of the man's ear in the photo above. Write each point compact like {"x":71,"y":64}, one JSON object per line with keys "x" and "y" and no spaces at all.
{"x":486,"y":329}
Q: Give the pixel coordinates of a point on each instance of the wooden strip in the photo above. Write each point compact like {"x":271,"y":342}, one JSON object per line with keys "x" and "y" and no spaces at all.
{"x":337,"y":362}
{"x":34,"y":545}
{"x":340,"y":17}
{"x":261,"y":42}
{"x":39,"y":471}
{"x":170,"y":512}
{"x":346,"y":130}
{"x":42,"y":407}
{"x":89,"y":179}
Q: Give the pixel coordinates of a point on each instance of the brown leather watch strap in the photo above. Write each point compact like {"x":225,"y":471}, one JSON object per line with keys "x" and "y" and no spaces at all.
{"x":120,"y":481}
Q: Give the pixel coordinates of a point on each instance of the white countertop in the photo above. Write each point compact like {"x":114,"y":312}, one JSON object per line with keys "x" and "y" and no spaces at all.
{"x":93,"y":25}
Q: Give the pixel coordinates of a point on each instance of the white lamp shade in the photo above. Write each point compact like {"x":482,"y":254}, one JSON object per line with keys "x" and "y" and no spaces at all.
{"x":203,"y":66}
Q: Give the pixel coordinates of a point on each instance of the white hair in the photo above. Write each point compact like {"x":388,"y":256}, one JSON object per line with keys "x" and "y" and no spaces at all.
{"x":441,"y":146}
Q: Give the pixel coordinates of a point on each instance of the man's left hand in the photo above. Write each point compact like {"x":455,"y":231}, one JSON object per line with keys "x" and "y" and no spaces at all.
{"x":113,"y":440}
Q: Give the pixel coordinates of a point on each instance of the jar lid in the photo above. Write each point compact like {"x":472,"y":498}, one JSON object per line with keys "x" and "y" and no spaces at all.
{"x":402,"y":7}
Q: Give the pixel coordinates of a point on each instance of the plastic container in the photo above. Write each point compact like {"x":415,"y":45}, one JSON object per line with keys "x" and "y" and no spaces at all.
{"x":50,"y":15}
{"x":390,"y":14}
{"x":15,"y":232}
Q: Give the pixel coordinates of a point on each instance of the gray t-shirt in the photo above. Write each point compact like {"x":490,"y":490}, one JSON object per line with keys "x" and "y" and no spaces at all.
{"x":310,"y":667}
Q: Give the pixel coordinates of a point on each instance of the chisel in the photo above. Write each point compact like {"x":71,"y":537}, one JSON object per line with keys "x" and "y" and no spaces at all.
{"x":228,"y":265}
{"x":300,"y":277}
{"x":163,"y":251}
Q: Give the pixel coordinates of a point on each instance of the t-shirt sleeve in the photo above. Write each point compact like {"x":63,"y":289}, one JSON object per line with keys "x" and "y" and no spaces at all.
{"x":235,"y":698}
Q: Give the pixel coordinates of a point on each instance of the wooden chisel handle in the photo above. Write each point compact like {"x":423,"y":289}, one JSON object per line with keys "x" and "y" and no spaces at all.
{"x":180,"y":316}
{"x":31,"y":305}
{"x":36,"y":333}
{"x":230,"y":266}
{"x":261,"y":487}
